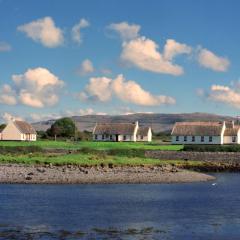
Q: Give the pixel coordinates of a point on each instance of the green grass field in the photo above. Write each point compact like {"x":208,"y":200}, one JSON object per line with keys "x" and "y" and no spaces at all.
{"x":92,"y":153}
{"x":88,"y":160}
{"x":93,"y":145}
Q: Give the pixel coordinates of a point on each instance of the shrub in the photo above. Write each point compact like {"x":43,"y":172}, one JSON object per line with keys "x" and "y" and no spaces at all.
{"x":20,"y":149}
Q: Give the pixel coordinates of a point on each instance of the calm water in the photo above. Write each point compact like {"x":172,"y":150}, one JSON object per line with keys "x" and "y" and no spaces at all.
{"x":177,"y":211}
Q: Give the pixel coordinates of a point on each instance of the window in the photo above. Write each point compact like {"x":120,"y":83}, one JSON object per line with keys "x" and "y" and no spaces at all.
{"x":177,"y":138}
{"x":185,"y":138}
{"x":142,"y":137}
{"x":234,"y":139}
{"x":193,"y":138}
{"x":124,"y":137}
{"x":210,"y":139}
{"x":110,"y":137}
{"x":95,"y":136}
{"x":102,"y":137}
{"x":202,"y":138}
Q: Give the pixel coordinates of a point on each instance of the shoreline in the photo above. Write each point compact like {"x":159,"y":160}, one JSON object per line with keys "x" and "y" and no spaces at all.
{"x":70,"y":174}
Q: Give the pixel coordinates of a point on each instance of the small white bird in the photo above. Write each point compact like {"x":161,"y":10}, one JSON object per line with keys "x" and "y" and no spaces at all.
{"x":213,"y":184}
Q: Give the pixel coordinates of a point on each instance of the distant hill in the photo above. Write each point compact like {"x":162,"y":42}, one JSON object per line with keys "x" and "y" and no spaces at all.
{"x":158,"y":122}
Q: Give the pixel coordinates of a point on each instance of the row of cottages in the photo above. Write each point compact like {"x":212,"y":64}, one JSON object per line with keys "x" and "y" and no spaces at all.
{"x":121,"y":132}
{"x":206,"y":133}
{"x":18,"y":131}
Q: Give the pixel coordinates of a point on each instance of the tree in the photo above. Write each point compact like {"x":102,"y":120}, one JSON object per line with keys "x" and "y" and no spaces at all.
{"x":64,"y":127}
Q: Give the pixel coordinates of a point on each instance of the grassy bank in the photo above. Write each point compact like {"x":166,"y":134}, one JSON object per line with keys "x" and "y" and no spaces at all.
{"x":92,"y":145}
{"x":89,"y":159}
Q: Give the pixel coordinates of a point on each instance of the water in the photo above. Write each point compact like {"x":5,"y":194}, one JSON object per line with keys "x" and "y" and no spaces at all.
{"x":155,"y":211}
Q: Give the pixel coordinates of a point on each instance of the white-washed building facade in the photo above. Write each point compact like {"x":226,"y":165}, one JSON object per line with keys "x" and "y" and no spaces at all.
{"x":205,"y":133}
{"x":18,"y":131}
{"x":121,"y":132}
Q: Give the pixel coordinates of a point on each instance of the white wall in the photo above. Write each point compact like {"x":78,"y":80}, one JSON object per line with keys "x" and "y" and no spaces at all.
{"x":147,"y":138}
{"x":11,"y":132}
{"x":215,"y":140}
{"x":108,"y":138}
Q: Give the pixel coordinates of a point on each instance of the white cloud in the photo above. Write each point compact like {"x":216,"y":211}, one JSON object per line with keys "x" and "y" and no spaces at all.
{"x":7,"y":117}
{"x":102,"y":89}
{"x":7,"y":95}
{"x":5,"y":47}
{"x":173,"y":48}
{"x":130,"y":91}
{"x":143,"y":53}
{"x":76,"y":30}
{"x":98,"y":89}
{"x":36,"y":87}
{"x":225,"y":94}
{"x":44,"y":31}
{"x":127,"y":31}
{"x":86,"y":68}
{"x":209,"y":60}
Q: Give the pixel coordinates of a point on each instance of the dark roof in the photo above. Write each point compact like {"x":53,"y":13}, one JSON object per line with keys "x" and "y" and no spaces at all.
{"x":115,"y":128}
{"x":143,"y":131}
{"x":197,"y":129}
{"x":24,"y":127}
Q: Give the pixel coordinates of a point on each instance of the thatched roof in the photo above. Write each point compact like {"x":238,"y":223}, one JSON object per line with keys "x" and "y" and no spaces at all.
{"x":231,"y":131}
{"x":143,"y":131}
{"x":115,"y":128}
{"x":197,"y":129}
{"x":24,"y":127}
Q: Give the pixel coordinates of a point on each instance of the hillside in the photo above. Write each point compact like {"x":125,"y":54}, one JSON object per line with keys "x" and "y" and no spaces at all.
{"x":159,"y":122}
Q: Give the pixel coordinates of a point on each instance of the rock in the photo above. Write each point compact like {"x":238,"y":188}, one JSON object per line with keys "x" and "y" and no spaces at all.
{"x":41,"y":170}
{"x":28,"y":178}
{"x":30,"y":174}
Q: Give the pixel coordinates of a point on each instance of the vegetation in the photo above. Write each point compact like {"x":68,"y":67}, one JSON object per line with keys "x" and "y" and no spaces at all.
{"x":212,"y":148}
{"x":83,"y":153}
{"x":93,"y":145}
{"x":87,"y":159}
{"x":64,"y":127}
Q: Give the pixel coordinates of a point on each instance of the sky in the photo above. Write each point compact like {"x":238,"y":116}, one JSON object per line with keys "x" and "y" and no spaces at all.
{"x":78,"y":57}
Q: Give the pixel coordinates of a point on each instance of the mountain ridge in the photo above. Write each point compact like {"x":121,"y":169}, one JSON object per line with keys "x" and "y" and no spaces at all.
{"x":160,"y":122}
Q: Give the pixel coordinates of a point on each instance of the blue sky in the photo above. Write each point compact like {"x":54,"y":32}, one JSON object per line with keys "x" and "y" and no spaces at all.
{"x":122,"y":57}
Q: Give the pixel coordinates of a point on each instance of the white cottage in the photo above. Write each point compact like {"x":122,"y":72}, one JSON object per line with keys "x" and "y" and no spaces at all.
{"x":205,"y":133}
{"x":121,"y":132}
{"x":18,"y":131}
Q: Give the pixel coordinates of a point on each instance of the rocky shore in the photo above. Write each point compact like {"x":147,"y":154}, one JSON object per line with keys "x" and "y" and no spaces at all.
{"x":73,"y":174}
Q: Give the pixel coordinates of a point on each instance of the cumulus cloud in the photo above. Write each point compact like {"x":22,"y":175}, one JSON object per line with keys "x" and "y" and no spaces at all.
{"x":7,"y":117}
{"x":225,"y":94}
{"x":7,"y":95}
{"x":103,"y":88}
{"x":210,"y":60}
{"x":36,"y":87}
{"x":86,"y":68}
{"x":126,"y":31}
{"x":98,"y":89}
{"x":44,"y":31}
{"x":173,"y":48}
{"x":144,"y":54}
{"x":5,"y":47}
{"x":76,"y":30}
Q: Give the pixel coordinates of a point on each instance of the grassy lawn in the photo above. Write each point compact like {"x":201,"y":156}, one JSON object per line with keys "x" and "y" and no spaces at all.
{"x":93,"y":145}
{"x":89,"y":160}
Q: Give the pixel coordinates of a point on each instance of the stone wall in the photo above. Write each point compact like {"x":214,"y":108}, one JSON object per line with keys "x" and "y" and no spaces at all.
{"x":225,"y":157}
